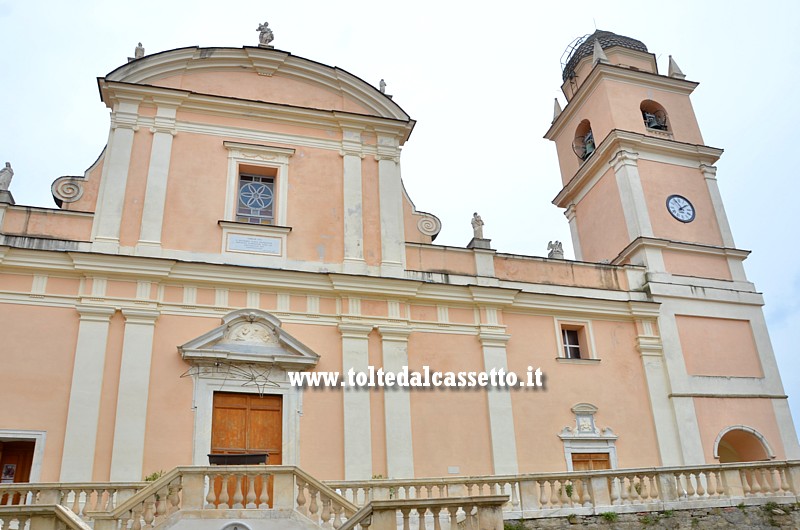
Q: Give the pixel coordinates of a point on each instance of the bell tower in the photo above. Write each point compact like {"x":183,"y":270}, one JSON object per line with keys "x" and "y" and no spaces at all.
{"x":640,"y":188}
{"x":639,"y":183}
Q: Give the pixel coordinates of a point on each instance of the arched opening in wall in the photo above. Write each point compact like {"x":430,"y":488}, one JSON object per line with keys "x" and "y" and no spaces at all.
{"x":654,"y":115}
{"x":583,"y":145}
{"x":741,"y":444}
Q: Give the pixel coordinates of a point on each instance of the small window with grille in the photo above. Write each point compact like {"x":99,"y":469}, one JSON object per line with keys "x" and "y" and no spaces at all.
{"x":256,"y":204}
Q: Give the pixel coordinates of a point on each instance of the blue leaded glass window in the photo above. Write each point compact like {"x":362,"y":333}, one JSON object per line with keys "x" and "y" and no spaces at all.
{"x":256,"y":203}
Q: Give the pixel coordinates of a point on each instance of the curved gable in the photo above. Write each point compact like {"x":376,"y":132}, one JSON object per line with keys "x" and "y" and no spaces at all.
{"x":259,"y":74}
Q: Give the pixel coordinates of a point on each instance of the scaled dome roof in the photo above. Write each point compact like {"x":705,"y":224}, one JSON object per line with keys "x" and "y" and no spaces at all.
{"x":607,"y":39}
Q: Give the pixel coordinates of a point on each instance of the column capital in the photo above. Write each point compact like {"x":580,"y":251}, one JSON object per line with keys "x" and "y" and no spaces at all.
{"x":394,"y":333}
{"x":354,"y":331}
{"x":624,"y":158}
{"x":140,"y":316}
{"x":95,"y":313}
{"x":709,"y":172}
{"x":494,"y":340}
{"x":570,"y":212}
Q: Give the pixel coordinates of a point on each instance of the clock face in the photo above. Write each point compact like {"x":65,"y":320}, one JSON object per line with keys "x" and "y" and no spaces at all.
{"x":680,"y":208}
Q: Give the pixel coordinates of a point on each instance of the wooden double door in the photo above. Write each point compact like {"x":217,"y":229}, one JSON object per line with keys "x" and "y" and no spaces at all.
{"x":246,"y":424}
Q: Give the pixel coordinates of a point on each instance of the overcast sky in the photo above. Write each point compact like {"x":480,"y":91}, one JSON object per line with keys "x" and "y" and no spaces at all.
{"x":479,"y":78}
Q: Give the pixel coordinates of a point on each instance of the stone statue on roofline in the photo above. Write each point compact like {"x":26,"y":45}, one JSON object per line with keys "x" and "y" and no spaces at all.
{"x":6,"y":174}
{"x":477,"y":226}
{"x":555,"y":250}
{"x":138,"y":53}
{"x":265,"y":35}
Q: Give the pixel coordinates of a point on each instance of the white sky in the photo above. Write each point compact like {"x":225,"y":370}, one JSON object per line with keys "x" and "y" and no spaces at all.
{"x":479,"y":78}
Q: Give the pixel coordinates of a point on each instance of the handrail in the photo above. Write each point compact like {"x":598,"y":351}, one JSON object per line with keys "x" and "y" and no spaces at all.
{"x":62,"y":513}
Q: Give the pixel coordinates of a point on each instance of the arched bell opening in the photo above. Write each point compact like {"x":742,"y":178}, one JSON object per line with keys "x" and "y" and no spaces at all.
{"x":654,"y":115}
{"x":583,"y":145}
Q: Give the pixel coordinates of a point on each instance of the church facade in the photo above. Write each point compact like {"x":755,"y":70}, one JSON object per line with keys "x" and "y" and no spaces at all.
{"x":247,"y":222}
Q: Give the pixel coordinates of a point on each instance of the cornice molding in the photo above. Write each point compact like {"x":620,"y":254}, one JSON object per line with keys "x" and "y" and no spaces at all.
{"x":699,"y":248}
{"x":626,"y":147}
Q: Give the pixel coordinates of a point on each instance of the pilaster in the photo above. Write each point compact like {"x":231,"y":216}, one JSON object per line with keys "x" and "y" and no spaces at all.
{"x":77,"y":460}
{"x":391,"y":206}
{"x":134,"y":384}
{"x":397,"y":405}
{"x":357,"y":422}
{"x":571,"y":214}
{"x":501,"y":414}
{"x":710,"y":175}
{"x":111,"y":200}
{"x":658,"y":387}
{"x":155,"y":197}
{"x":634,"y":206}
{"x":352,"y":154}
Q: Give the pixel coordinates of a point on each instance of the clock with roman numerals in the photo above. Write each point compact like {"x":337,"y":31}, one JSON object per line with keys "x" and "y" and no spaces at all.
{"x":680,"y":208}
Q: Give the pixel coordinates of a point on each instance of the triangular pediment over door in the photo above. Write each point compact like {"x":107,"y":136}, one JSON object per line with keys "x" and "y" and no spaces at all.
{"x":248,"y":354}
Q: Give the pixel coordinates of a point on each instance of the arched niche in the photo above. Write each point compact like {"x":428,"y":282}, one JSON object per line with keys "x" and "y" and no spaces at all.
{"x":740,"y":443}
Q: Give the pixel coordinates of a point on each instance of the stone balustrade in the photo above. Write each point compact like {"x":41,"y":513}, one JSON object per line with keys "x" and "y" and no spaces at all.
{"x":583,"y":493}
{"x":452,"y":503}
{"x":451,"y":513}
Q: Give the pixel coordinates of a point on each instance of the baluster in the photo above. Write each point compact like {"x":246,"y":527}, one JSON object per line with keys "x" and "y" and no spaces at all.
{"x":514,"y":495}
{"x":756,"y":489}
{"x":624,"y":490}
{"x":437,"y":513}
{"x":149,"y":510}
{"x":542,"y":498}
{"x":564,"y":499}
{"x":586,"y":499}
{"x":635,"y":488}
{"x":406,"y":523}
{"x":251,"y":491}
{"x":313,"y":507}
{"x":654,"y":491}
{"x":720,"y":484}
{"x":263,"y":498}
{"x":337,"y":515}
{"x":453,"y":511}
{"x":784,"y":482}
{"x":76,"y":505}
{"x":137,"y":517}
{"x":326,"y":512}
{"x":301,"y":496}
{"x":614,"y":490}
{"x":745,"y":482}
{"x":553,"y":493}
{"x":108,"y":503}
{"x":699,"y":479}
{"x":769,"y":486}
{"x":238,"y":497}
{"x":173,"y":498}
{"x":223,"y":494}
{"x":211,"y":497}
{"x":161,"y":503}
{"x":690,"y":491}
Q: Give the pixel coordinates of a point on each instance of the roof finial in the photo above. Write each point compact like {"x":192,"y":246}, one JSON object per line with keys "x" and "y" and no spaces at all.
{"x":265,"y":35}
{"x":556,"y":109}
{"x":674,"y":69}
{"x":599,"y":56}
